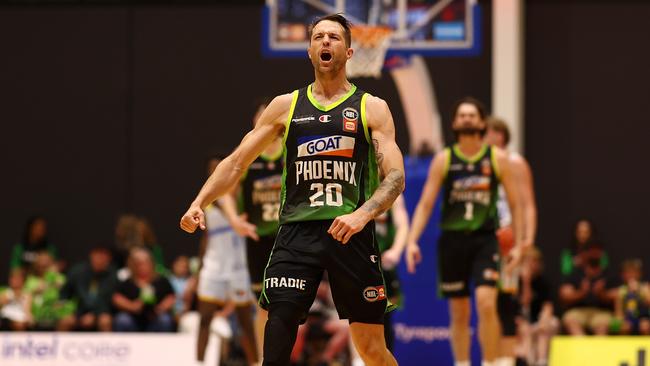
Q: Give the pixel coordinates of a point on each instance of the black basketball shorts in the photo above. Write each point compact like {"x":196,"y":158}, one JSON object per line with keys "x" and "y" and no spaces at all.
{"x":257,"y":255}
{"x":466,"y":258}
{"x":301,"y":253}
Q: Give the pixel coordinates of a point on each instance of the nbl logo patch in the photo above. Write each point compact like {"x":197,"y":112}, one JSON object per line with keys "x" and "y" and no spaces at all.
{"x":350,"y":118}
{"x":374,"y":293}
{"x":326,"y":145}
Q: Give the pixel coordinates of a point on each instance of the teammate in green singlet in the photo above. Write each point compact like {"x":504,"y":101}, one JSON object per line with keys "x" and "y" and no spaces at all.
{"x":337,"y":140}
{"x":469,"y":174}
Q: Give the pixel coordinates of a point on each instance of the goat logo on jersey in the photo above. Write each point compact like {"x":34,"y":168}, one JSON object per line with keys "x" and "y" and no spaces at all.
{"x":326,"y":145}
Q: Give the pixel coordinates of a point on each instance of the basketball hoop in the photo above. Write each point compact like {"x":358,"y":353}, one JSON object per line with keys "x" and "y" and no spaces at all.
{"x":370,"y":44}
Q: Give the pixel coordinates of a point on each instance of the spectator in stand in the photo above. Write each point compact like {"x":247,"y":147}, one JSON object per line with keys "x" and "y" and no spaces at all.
{"x":15,"y":303}
{"x":90,"y":285}
{"x":43,"y":285}
{"x":539,"y":323}
{"x":183,"y":284}
{"x":33,"y":242}
{"x":144,"y":301}
{"x":132,"y":232}
{"x":633,"y":300}
{"x":583,"y":238}
{"x":586,"y":297}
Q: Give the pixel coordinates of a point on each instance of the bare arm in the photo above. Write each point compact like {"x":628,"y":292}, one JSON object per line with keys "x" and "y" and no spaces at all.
{"x":527,"y":193}
{"x":229,"y":171}
{"x":122,"y":303}
{"x":242,"y":227}
{"x":391,"y":257}
{"x":424,"y":207}
{"x":166,"y":304}
{"x":513,"y":194}
{"x":391,"y":164}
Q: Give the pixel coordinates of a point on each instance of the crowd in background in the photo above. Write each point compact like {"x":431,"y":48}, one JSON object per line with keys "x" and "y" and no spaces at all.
{"x":127,"y":286}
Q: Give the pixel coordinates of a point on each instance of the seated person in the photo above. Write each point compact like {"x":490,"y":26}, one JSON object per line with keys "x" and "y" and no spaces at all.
{"x":34,"y":241}
{"x":538,"y":324}
{"x":323,"y":337}
{"x":585,"y":295}
{"x":584,"y":237}
{"x":15,"y":304}
{"x":183,"y":284}
{"x":145,"y":300}
{"x":91,"y":285}
{"x":633,"y":300}
{"x":43,"y":285}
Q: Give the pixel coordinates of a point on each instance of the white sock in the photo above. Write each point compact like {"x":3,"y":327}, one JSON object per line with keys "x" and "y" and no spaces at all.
{"x":504,"y":361}
{"x":461,"y":363}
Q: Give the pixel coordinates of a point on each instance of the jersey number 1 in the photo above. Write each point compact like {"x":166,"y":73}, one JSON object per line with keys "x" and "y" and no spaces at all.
{"x":469,"y":211}
{"x":333,"y":196}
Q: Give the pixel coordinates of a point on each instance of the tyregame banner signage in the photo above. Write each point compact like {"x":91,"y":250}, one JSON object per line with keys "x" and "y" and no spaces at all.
{"x":95,"y":349}
{"x":421,"y":325}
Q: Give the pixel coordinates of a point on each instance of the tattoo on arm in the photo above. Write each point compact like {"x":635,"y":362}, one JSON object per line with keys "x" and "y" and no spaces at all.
{"x":380,"y":156}
{"x":389,"y":189}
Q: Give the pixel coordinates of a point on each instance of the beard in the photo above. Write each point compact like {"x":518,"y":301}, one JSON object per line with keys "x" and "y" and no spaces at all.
{"x":466,"y":130}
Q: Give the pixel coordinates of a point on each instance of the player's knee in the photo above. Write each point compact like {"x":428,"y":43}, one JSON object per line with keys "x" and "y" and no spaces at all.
{"x":459,"y":312}
{"x":486,"y":302}
{"x":280,"y":333}
{"x":368,"y":349}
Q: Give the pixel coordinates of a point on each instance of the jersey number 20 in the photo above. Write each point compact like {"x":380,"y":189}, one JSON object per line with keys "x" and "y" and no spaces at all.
{"x":333,"y":196}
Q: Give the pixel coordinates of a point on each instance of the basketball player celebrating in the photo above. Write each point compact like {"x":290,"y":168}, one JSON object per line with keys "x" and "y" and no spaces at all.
{"x":336,"y":140}
{"x":260,"y":200}
{"x":508,"y":307}
{"x":469,"y":174}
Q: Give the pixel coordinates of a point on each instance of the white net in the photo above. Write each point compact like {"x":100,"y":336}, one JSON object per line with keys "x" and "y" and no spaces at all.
{"x":370,"y":45}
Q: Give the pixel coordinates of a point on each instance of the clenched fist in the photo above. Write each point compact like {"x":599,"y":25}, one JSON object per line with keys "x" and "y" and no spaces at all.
{"x":193,"y":217}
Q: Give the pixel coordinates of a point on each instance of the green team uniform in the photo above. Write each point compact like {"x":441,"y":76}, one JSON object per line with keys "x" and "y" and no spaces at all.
{"x":467,"y":249}
{"x":260,"y":199}
{"x":330,"y":170}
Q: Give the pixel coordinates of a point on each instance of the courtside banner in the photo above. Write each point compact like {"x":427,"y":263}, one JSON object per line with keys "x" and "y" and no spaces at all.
{"x":600,"y":351}
{"x":95,"y":349}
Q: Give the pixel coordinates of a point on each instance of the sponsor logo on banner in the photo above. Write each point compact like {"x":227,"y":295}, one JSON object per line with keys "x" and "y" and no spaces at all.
{"x":374,"y":293}
{"x":326,"y":145}
{"x":325,"y":118}
{"x":63,"y":349}
{"x":350,"y":118}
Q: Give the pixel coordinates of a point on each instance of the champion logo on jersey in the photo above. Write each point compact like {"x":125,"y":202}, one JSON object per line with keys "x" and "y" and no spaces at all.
{"x":326,"y":145}
{"x":325,"y":118}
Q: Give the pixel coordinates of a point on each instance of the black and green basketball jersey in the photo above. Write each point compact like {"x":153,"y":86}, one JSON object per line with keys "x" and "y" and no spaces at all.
{"x":385,"y":231}
{"x":260,"y":193}
{"x":470,"y":191}
{"x":330,"y":168}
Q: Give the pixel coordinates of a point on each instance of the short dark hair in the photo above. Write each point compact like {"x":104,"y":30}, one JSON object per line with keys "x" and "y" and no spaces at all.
{"x":338,"y":18}
{"x":480,"y":107}
{"x":500,"y":126}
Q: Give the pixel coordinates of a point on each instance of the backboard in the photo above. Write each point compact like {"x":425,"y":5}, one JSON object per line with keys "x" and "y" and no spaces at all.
{"x":424,"y":27}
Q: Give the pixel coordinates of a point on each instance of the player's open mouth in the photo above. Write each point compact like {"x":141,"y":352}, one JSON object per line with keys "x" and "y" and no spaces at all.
{"x":325,"y":56}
